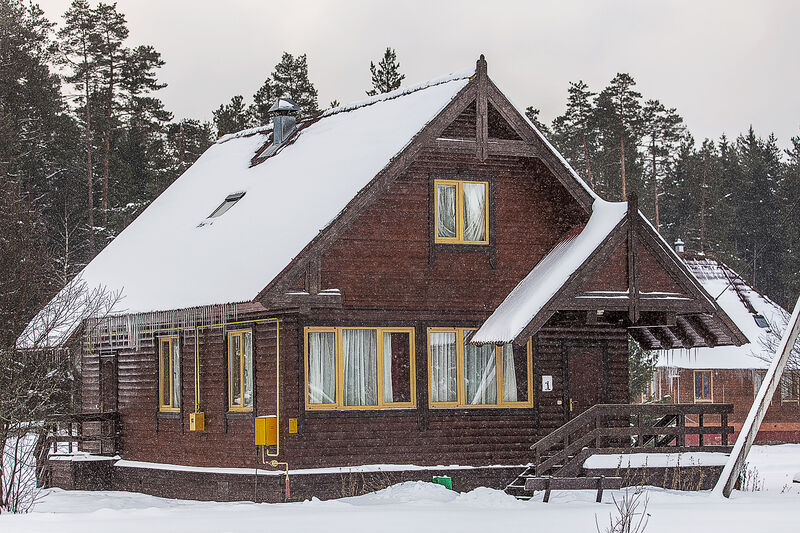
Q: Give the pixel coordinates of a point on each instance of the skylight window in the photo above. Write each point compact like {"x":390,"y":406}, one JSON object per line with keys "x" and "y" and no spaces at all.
{"x":229,"y":202}
{"x":761,"y":321}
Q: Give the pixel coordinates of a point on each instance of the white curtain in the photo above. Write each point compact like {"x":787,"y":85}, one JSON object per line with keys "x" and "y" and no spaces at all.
{"x":509,"y":374}
{"x":474,"y":211}
{"x":443,"y":367}
{"x":480,"y":374}
{"x":388,"y":394}
{"x":360,"y":362}
{"x":321,"y":367}
{"x":446,"y":225}
{"x":247,"y":355}
{"x":176,"y":374}
{"x":235,"y":370}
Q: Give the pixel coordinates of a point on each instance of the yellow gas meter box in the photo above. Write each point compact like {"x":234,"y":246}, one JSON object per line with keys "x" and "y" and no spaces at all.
{"x":266,"y":430}
{"x":197,"y":422}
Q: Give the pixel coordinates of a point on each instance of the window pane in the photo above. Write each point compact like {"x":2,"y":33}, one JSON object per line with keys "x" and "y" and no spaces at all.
{"x":698,"y":385}
{"x":515,"y":375}
{"x":443,"y":367}
{"x":247,"y":354}
{"x":360,"y":366}
{"x":321,"y":367}
{"x":176,"y":373}
{"x":446,"y":224}
{"x":474,"y":211}
{"x":164,"y":358}
{"x":235,"y":370}
{"x":706,"y":385}
{"x":396,"y":367}
{"x":480,"y":374}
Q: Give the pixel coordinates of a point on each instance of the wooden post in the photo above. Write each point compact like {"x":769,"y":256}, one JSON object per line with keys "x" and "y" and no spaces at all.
{"x":730,"y":474}
{"x":482,"y":108}
{"x":600,"y":489}
{"x":724,"y":424}
{"x":700,"y":425}
{"x":547,"y":490}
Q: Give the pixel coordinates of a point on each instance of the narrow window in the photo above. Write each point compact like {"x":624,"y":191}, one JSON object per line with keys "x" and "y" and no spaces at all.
{"x":229,"y":202}
{"x":169,"y":372}
{"x":702,"y":386}
{"x":462,"y":214}
{"x":359,"y":368}
{"x":790,"y":386}
{"x":240,"y":370}
{"x":758,"y":379}
{"x":462,"y":375}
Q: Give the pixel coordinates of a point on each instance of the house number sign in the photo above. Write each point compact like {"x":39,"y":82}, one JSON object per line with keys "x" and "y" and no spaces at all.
{"x":547,"y":383}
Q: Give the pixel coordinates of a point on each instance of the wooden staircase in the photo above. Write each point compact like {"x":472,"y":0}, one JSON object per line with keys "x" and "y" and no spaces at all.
{"x":613,"y":429}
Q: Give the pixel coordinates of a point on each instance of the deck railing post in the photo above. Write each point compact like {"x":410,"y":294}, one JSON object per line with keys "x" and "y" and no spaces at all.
{"x":700,"y":427}
{"x":682,"y":424}
{"x":724,"y":429}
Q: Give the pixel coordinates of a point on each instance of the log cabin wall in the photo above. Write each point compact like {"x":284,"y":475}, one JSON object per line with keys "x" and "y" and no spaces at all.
{"x":736,"y":386}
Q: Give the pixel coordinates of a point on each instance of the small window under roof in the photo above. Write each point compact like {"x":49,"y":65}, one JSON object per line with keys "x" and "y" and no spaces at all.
{"x":229,"y":202}
{"x":761,"y":321}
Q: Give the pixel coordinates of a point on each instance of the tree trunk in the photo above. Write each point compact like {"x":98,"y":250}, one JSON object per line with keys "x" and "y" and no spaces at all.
{"x":181,"y":146}
{"x":622,"y":159}
{"x":586,"y":157}
{"x":89,"y":176}
{"x":655,"y":187}
{"x":703,"y":208}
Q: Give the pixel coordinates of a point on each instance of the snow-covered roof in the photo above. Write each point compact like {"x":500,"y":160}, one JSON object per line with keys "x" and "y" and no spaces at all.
{"x":741,"y":303}
{"x":173,"y":256}
{"x":530,"y":296}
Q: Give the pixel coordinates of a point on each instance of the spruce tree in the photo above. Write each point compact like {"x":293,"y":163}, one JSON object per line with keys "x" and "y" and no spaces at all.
{"x":574,"y":132}
{"x":533,"y":115}
{"x":231,"y":117}
{"x":386,"y":75}
{"x":290,"y":78}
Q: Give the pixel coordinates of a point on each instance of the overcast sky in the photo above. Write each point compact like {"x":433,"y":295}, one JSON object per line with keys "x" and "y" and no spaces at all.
{"x":723,"y":64}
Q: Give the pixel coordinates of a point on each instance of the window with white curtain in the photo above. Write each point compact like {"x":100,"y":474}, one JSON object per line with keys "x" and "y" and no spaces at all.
{"x":462,"y":212}
{"x":359,"y":368}
{"x":462,"y":375}
{"x":169,"y":372}
{"x":240,"y":370}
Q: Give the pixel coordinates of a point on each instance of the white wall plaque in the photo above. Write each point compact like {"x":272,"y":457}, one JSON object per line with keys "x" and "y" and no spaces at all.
{"x":547,"y":383}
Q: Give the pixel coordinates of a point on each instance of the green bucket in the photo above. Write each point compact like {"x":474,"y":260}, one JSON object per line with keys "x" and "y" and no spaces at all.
{"x":444,"y":481}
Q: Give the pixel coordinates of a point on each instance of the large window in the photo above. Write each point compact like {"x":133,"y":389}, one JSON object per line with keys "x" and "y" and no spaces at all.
{"x":461,"y":375}
{"x":169,"y":374}
{"x":462,"y":212}
{"x":702,"y":386}
{"x":359,"y":368}
{"x":240,"y":370}
{"x":790,"y":386}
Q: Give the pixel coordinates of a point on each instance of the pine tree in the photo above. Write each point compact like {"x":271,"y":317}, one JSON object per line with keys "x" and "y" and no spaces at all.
{"x":386,"y":75}
{"x":574,"y":131}
{"x":533,"y":115}
{"x":231,"y":117}
{"x":618,"y":117}
{"x":262,"y":101}
{"x":290,"y":78}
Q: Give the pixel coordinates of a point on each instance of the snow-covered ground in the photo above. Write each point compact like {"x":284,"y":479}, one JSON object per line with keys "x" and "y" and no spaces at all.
{"x":419,"y":506}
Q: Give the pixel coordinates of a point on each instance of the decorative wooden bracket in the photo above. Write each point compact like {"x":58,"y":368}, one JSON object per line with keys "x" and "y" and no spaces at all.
{"x":482,"y":105}
{"x":633,"y":264}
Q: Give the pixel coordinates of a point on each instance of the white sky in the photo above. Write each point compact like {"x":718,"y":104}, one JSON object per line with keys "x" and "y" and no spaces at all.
{"x":724,"y":64}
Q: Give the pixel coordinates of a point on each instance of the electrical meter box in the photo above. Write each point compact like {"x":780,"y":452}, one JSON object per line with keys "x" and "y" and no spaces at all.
{"x":197,"y":421}
{"x":266,"y":430}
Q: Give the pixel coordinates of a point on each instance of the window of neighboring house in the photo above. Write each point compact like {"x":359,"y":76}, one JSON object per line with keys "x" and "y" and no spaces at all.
{"x":462,"y":375}
{"x":758,"y":379}
{"x":359,"y":368}
{"x":462,"y":211}
{"x":229,"y":202}
{"x":169,"y":372}
{"x":653,"y":392}
{"x":240,"y":370}
{"x":702,"y":386}
{"x":790,"y":386}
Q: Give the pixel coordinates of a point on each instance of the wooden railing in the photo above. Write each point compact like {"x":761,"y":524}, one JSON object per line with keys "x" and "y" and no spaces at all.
{"x":96,"y":433}
{"x":631,"y":428}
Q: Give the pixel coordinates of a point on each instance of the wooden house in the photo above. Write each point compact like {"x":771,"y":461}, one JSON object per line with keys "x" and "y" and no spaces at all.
{"x":412,"y":285}
{"x":732,"y":374}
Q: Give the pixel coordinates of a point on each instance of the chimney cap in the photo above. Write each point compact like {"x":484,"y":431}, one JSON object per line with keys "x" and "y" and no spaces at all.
{"x":284,"y":105}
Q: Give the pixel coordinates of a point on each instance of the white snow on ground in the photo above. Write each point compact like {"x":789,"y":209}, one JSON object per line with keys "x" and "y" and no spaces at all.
{"x":549,"y":275}
{"x":639,"y":460}
{"x":420,"y":506}
{"x":716,"y":279}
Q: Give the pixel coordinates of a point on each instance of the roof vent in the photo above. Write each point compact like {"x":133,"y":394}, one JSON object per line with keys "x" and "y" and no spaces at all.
{"x":679,"y":247}
{"x":284,"y":121}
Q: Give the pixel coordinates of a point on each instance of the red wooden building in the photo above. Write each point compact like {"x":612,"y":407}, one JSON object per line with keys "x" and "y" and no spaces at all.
{"x":733,"y":374}
{"x":407,"y":282}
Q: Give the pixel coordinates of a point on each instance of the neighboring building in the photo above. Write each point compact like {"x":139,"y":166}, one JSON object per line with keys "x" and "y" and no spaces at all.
{"x":418,"y":279}
{"x":732,"y":374}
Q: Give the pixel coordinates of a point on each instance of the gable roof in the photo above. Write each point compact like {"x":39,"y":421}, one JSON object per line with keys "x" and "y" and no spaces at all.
{"x":741,"y":303}
{"x":550,"y":274}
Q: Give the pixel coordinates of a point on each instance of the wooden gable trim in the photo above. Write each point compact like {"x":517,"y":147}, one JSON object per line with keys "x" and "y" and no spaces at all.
{"x":377,"y":186}
{"x":544,"y":152}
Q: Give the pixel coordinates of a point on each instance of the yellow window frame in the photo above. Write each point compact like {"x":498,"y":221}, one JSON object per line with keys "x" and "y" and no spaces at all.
{"x":703,"y":399}
{"x":792,"y":376}
{"x":339,"y":369}
{"x":459,"y":238}
{"x":239,"y":333}
{"x":167,"y":406}
{"x":460,"y":401}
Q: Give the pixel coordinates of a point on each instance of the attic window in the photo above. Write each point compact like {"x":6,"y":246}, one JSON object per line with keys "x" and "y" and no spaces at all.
{"x":229,"y":202}
{"x":761,"y":321}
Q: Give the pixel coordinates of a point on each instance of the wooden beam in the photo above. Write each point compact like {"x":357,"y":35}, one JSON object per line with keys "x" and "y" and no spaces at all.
{"x":482,"y":119}
{"x":633,"y":264}
{"x":663,"y":337}
{"x":702,"y":330}
{"x":681,"y":331}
